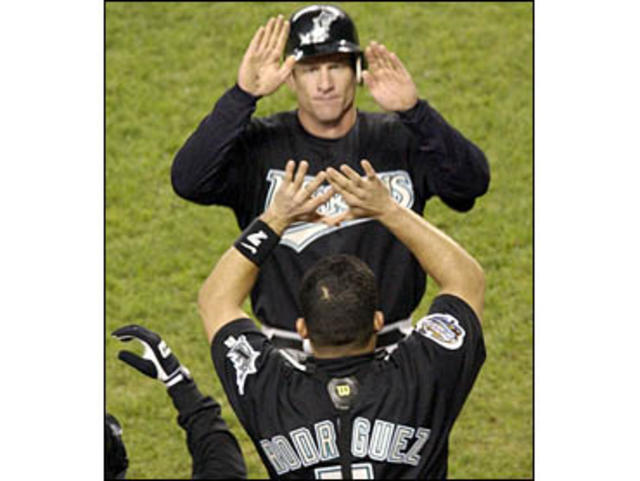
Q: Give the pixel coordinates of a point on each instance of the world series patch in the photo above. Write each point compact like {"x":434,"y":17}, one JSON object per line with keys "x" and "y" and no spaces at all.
{"x":443,"y":329}
{"x":243,"y":356}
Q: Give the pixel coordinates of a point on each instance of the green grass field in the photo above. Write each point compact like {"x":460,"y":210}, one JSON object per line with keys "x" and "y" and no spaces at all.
{"x":166,"y":65}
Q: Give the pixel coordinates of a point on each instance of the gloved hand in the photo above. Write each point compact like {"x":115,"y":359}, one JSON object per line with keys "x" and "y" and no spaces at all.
{"x":157,"y":361}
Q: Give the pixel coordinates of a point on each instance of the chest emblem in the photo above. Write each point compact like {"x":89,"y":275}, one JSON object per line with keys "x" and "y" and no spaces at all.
{"x":300,"y":234}
{"x":443,"y":329}
{"x":243,"y":356}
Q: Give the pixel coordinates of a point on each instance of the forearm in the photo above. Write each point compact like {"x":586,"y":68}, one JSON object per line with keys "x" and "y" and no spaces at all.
{"x":214,"y":450}
{"x":198,"y":167}
{"x":458,"y":170}
{"x":223,"y":293}
{"x":450,"y":266}
{"x":221,"y":297}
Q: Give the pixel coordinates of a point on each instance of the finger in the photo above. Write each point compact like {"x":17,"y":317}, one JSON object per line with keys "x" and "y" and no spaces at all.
{"x":385,"y":58}
{"x":255,"y":41}
{"x":345,"y":188}
{"x":282,"y":37}
{"x":299,"y":178}
{"x":338,"y":218}
{"x":275,"y":34}
{"x":266,"y":37}
{"x":351,"y":174}
{"x":134,"y":331}
{"x":397,"y":64}
{"x":288,"y":171}
{"x":377,"y":54}
{"x":372,"y":57}
{"x":341,"y":181}
{"x":316,"y":202}
{"x":316,"y":182}
{"x":287,"y":67}
{"x":145,"y":367}
{"x":368,"y":169}
{"x":336,"y":178}
{"x":368,"y":79}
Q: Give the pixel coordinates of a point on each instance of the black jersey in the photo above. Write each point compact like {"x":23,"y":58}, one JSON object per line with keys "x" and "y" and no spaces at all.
{"x":370,"y":416}
{"x":236,"y":161}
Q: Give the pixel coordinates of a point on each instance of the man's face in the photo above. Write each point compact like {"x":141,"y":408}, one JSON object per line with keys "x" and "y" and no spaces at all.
{"x":325,"y":87}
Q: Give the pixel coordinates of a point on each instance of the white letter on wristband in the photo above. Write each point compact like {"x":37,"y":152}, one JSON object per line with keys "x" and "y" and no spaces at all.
{"x":257,"y":241}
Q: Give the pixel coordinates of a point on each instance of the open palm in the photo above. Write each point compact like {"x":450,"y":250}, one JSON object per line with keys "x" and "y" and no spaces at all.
{"x":388,"y":81}
{"x":260,"y":72}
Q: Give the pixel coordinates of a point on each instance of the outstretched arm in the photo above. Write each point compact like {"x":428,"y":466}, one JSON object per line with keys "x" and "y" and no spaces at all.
{"x":452,"y":268}
{"x":215,"y":452}
{"x":223,"y":293}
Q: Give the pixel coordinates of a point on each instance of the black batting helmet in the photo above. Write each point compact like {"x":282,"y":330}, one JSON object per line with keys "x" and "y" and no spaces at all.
{"x":321,"y":30}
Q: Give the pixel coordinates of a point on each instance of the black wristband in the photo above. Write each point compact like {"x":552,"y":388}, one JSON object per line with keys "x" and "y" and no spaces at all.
{"x":257,"y":241}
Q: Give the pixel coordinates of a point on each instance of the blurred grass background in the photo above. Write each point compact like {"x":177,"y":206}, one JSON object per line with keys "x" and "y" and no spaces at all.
{"x":167,"y":64}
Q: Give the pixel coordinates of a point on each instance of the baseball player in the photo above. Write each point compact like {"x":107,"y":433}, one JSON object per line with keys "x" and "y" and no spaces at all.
{"x":347,"y":412}
{"x":236,"y":160}
{"x":214,"y":450}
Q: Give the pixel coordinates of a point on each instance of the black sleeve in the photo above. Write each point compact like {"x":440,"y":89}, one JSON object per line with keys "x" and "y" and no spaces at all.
{"x":205,"y":169}
{"x":248,"y":368}
{"x":449,"y":340}
{"x":214,"y":449}
{"x":457,"y":170}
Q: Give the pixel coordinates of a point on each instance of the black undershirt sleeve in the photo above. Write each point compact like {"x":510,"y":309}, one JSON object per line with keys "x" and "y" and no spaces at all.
{"x":457,"y":170}
{"x":214,"y":449}
{"x":200,"y":170}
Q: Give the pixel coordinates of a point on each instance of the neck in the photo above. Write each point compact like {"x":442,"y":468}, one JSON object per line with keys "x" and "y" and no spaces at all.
{"x":332,"y":352}
{"x":329,"y":130}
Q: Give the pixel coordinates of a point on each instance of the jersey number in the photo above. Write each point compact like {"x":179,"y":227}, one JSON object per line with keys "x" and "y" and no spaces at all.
{"x":358,"y":471}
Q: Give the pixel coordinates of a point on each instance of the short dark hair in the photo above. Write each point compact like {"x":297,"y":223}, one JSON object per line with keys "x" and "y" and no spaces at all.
{"x":338,"y":298}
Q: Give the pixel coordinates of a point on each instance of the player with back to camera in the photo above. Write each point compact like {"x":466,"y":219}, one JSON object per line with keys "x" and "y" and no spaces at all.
{"x":347,"y":411}
{"x":236,"y":160}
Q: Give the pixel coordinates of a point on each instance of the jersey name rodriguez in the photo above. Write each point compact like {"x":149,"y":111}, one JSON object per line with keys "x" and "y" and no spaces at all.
{"x":300,"y":234}
{"x":383,"y":442}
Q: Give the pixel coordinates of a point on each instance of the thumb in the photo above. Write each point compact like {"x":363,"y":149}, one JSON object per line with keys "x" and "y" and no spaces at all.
{"x":368,"y":79}
{"x":287,"y":66}
{"x":145,"y":367}
{"x":335,"y":220}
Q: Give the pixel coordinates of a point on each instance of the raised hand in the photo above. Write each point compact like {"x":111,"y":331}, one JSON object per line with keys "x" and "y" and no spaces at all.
{"x":260,"y":72}
{"x":157,"y":361}
{"x":366,"y":197}
{"x":293,"y":200}
{"x":388,"y":81}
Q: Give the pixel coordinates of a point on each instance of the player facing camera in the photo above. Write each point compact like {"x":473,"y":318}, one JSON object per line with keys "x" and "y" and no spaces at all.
{"x":338,"y":300}
{"x":236,"y":159}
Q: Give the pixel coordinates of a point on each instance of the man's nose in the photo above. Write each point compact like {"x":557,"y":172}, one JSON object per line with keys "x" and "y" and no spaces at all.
{"x":325,"y":82}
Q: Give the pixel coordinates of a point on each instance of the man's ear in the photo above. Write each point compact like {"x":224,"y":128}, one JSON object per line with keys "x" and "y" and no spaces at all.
{"x":301,"y":327}
{"x":378,"y":321}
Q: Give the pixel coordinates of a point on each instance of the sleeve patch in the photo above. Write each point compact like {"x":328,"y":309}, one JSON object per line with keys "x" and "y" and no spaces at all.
{"x":243,"y":356}
{"x":443,"y":329}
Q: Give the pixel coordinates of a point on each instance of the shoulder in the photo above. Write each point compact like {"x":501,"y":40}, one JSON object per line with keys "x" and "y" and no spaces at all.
{"x":450,"y":328}
{"x":275,"y":122}
{"x":383,"y":125}
{"x":241,"y":345}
